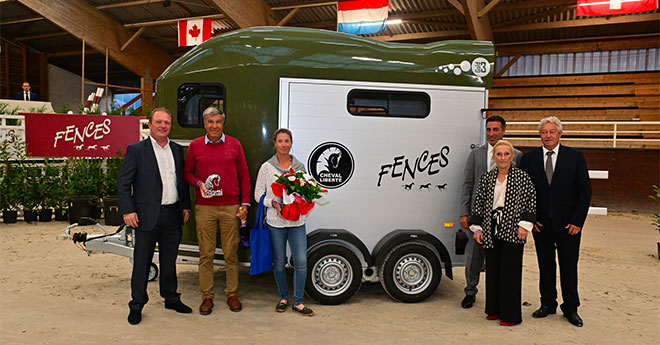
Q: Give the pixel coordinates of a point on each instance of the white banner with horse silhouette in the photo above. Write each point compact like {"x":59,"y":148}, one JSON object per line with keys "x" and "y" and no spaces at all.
{"x":57,"y":135}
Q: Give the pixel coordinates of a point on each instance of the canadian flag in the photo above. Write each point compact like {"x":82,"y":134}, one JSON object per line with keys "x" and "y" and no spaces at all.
{"x":609,"y":7}
{"x":194,"y":32}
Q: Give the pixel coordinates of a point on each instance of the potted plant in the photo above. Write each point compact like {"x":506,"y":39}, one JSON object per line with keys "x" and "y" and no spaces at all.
{"x":12,"y":155}
{"x":59,"y":193}
{"x":110,"y":198}
{"x":85,"y":179}
{"x":31,"y":193}
{"x":46,"y":187}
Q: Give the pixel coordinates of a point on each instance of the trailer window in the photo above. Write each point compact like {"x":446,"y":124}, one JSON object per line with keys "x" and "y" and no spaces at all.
{"x":389,"y":103}
{"x":193,"y":98}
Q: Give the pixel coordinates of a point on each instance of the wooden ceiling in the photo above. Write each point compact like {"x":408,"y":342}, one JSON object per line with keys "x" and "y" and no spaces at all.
{"x":141,"y":35}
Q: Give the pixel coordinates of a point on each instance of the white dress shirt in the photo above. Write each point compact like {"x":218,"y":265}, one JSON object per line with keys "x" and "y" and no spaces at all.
{"x":554,"y":156}
{"x":490,"y":164}
{"x":167,"y":170}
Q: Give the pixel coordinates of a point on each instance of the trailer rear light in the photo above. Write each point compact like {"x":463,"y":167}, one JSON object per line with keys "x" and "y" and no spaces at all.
{"x":449,"y":225}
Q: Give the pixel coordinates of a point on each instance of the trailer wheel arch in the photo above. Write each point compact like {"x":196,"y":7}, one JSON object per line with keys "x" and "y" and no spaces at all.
{"x":396,"y":237}
{"x":342,"y":236}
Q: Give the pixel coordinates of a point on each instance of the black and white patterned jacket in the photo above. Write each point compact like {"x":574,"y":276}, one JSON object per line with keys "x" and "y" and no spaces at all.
{"x":519,"y":204}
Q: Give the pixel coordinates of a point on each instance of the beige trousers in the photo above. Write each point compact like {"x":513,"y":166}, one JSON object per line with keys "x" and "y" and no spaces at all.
{"x":209,"y":219}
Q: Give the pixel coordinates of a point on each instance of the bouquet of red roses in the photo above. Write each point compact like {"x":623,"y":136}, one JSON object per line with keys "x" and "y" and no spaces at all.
{"x":298,"y":191}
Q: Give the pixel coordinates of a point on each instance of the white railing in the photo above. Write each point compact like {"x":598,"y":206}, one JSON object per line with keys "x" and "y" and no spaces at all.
{"x":648,"y":132}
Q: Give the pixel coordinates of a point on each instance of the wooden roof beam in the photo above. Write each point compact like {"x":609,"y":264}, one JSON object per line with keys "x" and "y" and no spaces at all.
{"x":484,"y":11}
{"x":544,"y":14}
{"x":421,"y":35}
{"x":128,"y":3}
{"x":577,"y":45}
{"x":100,"y":32}
{"x":288,"y":17}
{"x":19,"y":21}
{"x":457,"y":4}
{"x":479,"y":27}
{"x":172,"y":21}
{"x":303,"y":5}
{"x":246,"y":13}
{"x":620,"y":19}
{"x":522,"y":5}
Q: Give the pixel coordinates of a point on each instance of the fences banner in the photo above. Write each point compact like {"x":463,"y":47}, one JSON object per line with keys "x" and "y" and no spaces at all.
{"x":57,"y":135}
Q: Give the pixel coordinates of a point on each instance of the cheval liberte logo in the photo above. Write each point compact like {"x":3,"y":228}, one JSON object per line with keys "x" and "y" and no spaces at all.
{"x":331,"y":164}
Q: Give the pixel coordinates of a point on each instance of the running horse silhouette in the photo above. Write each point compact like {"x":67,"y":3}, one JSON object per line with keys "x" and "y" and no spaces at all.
{"x":408,"y":186}
{"x":425,"y":186}
{"x":441,"y":186}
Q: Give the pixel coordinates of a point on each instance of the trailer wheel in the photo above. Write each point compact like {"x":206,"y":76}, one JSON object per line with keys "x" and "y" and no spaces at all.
{"x":334,"y":274}
{"x":153,"y":272}
{"x":410,"y":272}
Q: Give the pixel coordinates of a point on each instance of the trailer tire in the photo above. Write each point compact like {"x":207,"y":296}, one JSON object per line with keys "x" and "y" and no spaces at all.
{"x":153,"y":272}
{"x":410,"y":272}
{"x":334,"y":274}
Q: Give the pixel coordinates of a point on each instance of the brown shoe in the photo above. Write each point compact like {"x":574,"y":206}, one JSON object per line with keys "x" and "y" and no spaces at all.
{"x":206,"y":307}
{"x":234,"y":303}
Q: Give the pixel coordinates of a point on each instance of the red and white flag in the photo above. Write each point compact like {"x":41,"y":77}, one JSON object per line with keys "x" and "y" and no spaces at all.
{"x":609,"y":7}
{"x":194,"y":32}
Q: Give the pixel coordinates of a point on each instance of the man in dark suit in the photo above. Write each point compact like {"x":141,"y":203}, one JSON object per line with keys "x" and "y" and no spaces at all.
{"x":563,"y":194}
{"x":479,"y":161}
{"x":155,"y":201}
{"x":26,"y":95}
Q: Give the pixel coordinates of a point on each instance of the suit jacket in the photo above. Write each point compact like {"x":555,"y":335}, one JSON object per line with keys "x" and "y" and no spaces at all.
{"x":474,"y":168}
{"x":33,"y":96}
{"x":140,"y":187}
{"x":566,"y":200}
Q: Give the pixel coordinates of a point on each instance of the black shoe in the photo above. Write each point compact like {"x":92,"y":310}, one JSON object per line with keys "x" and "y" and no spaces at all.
{"x":179,"y":307}
{"x":574,"y":318}
{"x":543,"y":312}
{"x":134,"y":317}
{"x":304,"y":311}
{"x":468,"y":301}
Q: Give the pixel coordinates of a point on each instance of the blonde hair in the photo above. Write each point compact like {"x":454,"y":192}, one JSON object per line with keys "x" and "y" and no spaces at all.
{"x":503,"y":143}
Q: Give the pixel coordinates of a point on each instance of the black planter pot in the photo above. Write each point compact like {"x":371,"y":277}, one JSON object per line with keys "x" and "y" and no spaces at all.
{"x":111,"y":211}
{"x":9,"y":217}
{"x":83,"y":206}
{"x":30,"y":215}
{"x":61,"y":214}
{"x":45,"y":214}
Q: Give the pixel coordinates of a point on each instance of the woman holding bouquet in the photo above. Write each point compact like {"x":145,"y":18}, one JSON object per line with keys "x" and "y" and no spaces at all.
{"x":504,"y":212}
{"x":282,"y":229}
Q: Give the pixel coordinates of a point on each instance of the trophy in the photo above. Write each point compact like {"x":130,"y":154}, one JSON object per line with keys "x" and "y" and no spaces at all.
{"x":211,"y":185}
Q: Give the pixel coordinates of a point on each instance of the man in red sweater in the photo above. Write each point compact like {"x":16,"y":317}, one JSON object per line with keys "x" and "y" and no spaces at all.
{"x":216,"y":166}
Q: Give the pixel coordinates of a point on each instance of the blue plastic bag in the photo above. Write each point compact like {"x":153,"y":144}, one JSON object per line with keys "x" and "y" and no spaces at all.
{"x":261,"y":253}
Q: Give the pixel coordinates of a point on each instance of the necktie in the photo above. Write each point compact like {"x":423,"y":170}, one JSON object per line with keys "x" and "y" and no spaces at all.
{"x":548,"y":166}
{"x":25,"y":96}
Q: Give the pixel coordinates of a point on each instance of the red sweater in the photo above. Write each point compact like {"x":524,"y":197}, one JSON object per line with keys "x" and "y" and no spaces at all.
{"x":225,"y":159}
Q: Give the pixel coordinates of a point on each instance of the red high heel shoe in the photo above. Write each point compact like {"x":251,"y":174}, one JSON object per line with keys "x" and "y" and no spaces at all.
{"x":492,"y":317}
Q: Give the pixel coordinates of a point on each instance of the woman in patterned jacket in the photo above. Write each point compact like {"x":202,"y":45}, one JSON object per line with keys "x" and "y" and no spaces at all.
{"x":504,"y":213}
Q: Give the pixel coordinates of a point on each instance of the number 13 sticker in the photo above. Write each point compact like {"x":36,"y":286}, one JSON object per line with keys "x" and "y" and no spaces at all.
{"x":480,"y":67}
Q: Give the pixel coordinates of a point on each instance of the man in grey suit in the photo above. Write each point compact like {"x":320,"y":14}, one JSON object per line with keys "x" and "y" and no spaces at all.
{"x":155,"y":201}
{"x":479,"y":161}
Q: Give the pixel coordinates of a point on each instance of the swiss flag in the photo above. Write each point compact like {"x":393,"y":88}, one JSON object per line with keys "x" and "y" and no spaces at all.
{"x":194,"y":32}
{"x":609,"y":7}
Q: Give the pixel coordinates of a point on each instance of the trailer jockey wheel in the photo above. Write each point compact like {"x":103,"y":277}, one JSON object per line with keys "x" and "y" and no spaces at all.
{"x":334,"y":274}
{"x":410,"y":272}
{"x":153,"y":272}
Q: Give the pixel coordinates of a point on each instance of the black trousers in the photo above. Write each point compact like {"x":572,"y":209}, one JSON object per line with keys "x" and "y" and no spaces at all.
{"x":567,"y":247}
{"x":167,"y":233}
{"x":504,"y":280}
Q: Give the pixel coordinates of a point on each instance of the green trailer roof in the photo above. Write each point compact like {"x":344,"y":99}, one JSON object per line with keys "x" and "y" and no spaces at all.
{"x":312,"y":53}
